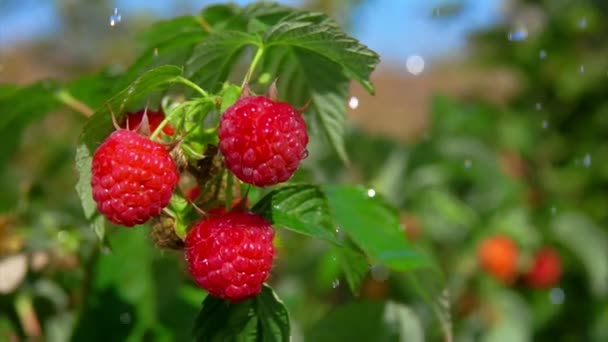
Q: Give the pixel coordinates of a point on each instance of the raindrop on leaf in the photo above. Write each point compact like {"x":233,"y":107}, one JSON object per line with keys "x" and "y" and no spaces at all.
{"x":379,"y":272}
{"x":538,"y":106}
{"x":542,"y":54}
{"x":335,"y":283}
{"x":581,"y":69}
{"x":557,"y":296}
{"x":545,"y":124}
{"x":468,"y":163}
{"x":582,"y":23}
{"x":587,"y":160}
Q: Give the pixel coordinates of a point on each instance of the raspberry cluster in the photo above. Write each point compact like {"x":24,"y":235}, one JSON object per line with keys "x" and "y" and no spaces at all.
{"x":499,"y":256}
{"x":229,"y":252}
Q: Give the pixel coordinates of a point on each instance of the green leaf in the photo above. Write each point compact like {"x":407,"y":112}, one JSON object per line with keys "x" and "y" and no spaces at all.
{"x":214,"y":59}
{"x":368,"y":321}
{"x":100,"y":124}
{"x":327,"y":40}
{"x":589,"y":243}
{"x":230,"y":94}
{"x":354,"y":265}
{"x":314,"y":60}
{"x":374,"y":227}
{"x":302,"y":208}
{"x":304,"y":76}
{"x":173,"y":41}
{"x":20,"y":108}
{"x":262,"y":318}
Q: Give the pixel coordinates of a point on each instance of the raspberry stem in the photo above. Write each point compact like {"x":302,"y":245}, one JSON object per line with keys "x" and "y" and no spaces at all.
{"x":192,"y":85}
{"x":66,"y":98}
{"x":229,"y":182}
{"x":254,"y":63}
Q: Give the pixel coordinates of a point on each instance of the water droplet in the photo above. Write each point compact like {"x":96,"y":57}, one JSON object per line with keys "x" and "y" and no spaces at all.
{"x":353,"y":103}
{"x":415,"y":64}
{"x":125,"y":318}
{"x":581,"y":69}
{"x":335,"y":283}
{"x":538,"y":106}
{"x":587,"y":160}
{"x":545,"y":124}
{"x":468,"y":163}
{"x":557,"y":296}
{"x":582,"y":23}
{"x":305,"y":154}
{"x":518,"y":34}
{"x":379,"y":272}
{"x":553,"y":210}
{"x":371,"y":193}
{"x":115,"y":18}
{"x":542,"y":54}
{"x":155,"y":52}
{"x":106,"y":250}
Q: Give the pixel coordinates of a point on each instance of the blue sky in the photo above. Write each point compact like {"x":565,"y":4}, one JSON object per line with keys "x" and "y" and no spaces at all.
{"x":394,"y":28}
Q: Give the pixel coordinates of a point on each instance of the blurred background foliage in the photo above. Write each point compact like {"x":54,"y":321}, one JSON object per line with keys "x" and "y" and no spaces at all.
{"x":508,"y":136}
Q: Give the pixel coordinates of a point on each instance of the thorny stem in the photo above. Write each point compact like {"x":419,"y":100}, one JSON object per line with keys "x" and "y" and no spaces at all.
{"x":254,"y":63}
{"x":66,"y":98}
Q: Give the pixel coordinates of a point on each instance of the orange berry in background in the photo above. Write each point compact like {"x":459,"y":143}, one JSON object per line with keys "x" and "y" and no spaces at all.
{"x":546,"y":269}
{"x":412,"y":226}
{"x":498,"y":256}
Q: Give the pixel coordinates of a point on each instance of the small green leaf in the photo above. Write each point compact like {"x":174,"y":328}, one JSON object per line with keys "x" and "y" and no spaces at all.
{"x":262,"y":318}
{"x":230,"y":94}
{"x":374,"y":227}
{"x":302,"y":208}
{"x":100,"y":125}
{"x":213,"y":60}
{"x":368,"y":321}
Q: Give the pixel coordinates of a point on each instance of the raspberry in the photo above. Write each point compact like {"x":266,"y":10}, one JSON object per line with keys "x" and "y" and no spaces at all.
{"x":262,"y":141}
{"x":132,"y":178}
{"x":133,"y":121}
{"x":230,"y":255}
{"x":546,"y":269}
{"x":498,"y":256}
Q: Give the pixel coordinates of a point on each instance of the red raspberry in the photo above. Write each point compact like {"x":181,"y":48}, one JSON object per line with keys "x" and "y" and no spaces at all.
{"x":230,"y":255}
{"x":132,"y":178}
{"x":498,"y":256}
{"x":546,"y":270}
{"x":262,"y":141}
{"x":133,"y":120}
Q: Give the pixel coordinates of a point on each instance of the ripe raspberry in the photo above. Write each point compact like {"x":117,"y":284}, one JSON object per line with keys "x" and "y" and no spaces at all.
{"x":546,"y":270}
{"x":262,"y":141}
{"x":230,"y":255}
{"x":132,"y":178}
{"x":498,"y":256}
{"x":133,"y":121}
